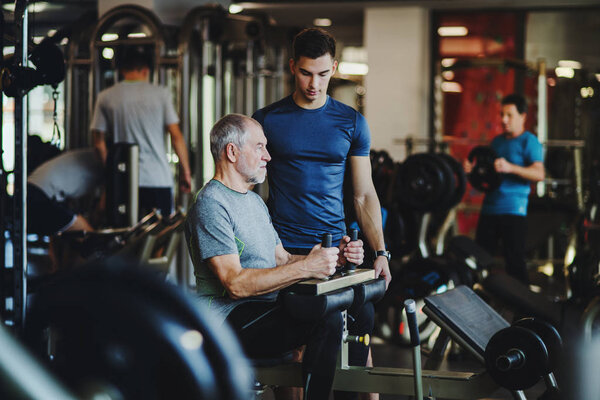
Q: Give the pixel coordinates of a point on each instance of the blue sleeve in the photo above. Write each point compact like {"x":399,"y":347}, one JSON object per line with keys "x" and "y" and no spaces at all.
{"x":361,"y":140}
{"x":533,"y":150}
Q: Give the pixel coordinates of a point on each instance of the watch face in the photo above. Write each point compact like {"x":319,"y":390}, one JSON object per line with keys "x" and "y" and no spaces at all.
{"x":384,"y":253}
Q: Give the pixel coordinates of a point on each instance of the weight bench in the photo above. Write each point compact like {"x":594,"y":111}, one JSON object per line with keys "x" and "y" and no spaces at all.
{"x":398,"y":381}
{"x":470,"y":322}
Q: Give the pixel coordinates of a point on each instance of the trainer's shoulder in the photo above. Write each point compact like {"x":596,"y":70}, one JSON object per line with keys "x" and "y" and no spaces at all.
{"x":343,"y":109}
{"x":280,"y":106}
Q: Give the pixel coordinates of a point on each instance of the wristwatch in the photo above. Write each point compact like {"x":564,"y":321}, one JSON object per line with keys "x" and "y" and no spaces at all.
{"x":384,"y":253}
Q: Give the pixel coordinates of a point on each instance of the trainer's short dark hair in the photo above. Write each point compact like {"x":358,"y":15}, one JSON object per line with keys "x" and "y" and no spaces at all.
{"x":518,"y":100}
{"x":131,"y":58}
{"x":313,"y":43}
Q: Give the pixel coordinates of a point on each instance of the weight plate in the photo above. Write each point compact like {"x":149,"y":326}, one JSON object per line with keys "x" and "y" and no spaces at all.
{"x":460,"y":180}
{"x":122,"y":329}
{"x":535,"y":362}
{"x":422,"y":182}
{"x":549,"y":336}
{"x":483,"y":176}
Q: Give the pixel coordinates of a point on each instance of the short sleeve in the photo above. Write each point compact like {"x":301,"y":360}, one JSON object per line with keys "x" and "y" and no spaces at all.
{"x":99,"y":119}
{"x":533,"y":150}
{"x":211,"y":232}
{"x":361,"y":140}
{"x":171,"y":116}
{"x":259,"y":116}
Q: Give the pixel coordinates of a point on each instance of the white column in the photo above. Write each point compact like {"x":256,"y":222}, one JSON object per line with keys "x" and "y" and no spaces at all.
{"x":397,"y":98}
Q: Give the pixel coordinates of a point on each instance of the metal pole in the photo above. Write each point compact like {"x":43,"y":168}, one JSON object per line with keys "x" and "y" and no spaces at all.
{"x":542,"y":115}
{"x":19,"y":236}
{"x":410,"y":308}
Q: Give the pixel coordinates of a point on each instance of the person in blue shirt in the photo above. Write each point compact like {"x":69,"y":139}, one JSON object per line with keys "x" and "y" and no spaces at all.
{"x":504,"y":212}
{"x":312,"y":139}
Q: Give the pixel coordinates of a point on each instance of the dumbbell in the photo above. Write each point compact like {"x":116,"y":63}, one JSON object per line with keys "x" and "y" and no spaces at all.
{"x":518,"y":356}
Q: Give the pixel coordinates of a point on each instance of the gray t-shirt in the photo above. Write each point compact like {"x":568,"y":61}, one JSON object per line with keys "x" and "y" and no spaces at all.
{"x":223,"y":221}
{"x":139,"y":112}
{"x":70,"y":175}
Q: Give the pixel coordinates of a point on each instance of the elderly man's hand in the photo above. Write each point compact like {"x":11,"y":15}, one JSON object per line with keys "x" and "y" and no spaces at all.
{"x":320,"y":262}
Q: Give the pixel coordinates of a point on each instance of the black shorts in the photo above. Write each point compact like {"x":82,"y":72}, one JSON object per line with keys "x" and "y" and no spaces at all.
{"x":46,"y":216}
{"x":155,"y":197}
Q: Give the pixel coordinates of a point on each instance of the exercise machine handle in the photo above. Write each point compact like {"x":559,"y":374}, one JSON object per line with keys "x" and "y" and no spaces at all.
{"x":326,"y":240}
{"x":353,"y":238}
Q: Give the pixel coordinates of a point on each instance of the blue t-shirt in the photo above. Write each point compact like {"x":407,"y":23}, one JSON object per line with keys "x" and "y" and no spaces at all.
{"x":513,"y":194}
{"x":309,"y":151}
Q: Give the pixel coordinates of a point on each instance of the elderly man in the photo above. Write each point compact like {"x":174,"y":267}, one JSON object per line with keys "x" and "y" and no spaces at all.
{"x":240,"y":263}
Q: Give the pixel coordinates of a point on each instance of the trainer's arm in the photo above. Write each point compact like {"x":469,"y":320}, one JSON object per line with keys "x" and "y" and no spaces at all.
{"x":368,"y":211}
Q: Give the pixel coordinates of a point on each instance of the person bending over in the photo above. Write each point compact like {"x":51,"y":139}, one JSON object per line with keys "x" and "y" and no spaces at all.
{"x":51,"y":188}
{"x":240,"y":263}
{"x":504,"y":212}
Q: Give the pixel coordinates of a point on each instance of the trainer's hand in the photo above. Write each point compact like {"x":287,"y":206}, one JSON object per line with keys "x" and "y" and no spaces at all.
{"x":351,"y":252}
{"x":467,"y":166}
{"x":321,"y":262}
{"x":382,"y":268}
{"x":503,"y":166}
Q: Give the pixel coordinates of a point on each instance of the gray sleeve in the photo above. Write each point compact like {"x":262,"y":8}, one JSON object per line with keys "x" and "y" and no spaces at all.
{"x":171,"y":116}
{"x":99,"y":120}
{"x":211,"y":232}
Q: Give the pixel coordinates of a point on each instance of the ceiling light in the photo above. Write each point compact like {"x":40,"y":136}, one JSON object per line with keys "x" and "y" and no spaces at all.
{"x":350,"y":68}
{"x":587,"y":92}
{"x":108,"y":53}
{"x":448,"y":62}
{"x":134,"y":35}
{"x":451,"y":87}
{"x":448,"y":75}
{"x":109,"y":37}
{"x":564,"y":72}
{"x":33,"y":7}
{"x":322,"y":22}
{"x":235,"y":9}
{"x":453,"y":31}
{"x":51,"y":32}
{"x":37,"y":39}
{"x":597,"y":77}
{"x":569,"y":64}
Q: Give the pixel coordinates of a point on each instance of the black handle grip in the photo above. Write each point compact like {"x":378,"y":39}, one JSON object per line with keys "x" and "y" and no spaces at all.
{"x":353,"y":238}
{"x":326,"y":240}
{"x":411,"y":315}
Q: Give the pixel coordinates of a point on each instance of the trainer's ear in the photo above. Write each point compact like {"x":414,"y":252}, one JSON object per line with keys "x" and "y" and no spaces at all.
{"x":231,"y":151}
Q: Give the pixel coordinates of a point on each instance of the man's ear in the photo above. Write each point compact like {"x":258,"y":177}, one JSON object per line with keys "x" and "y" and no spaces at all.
{"x":335,"y":64}
{"x":292,"y":65}
{"x":231,"y":152}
